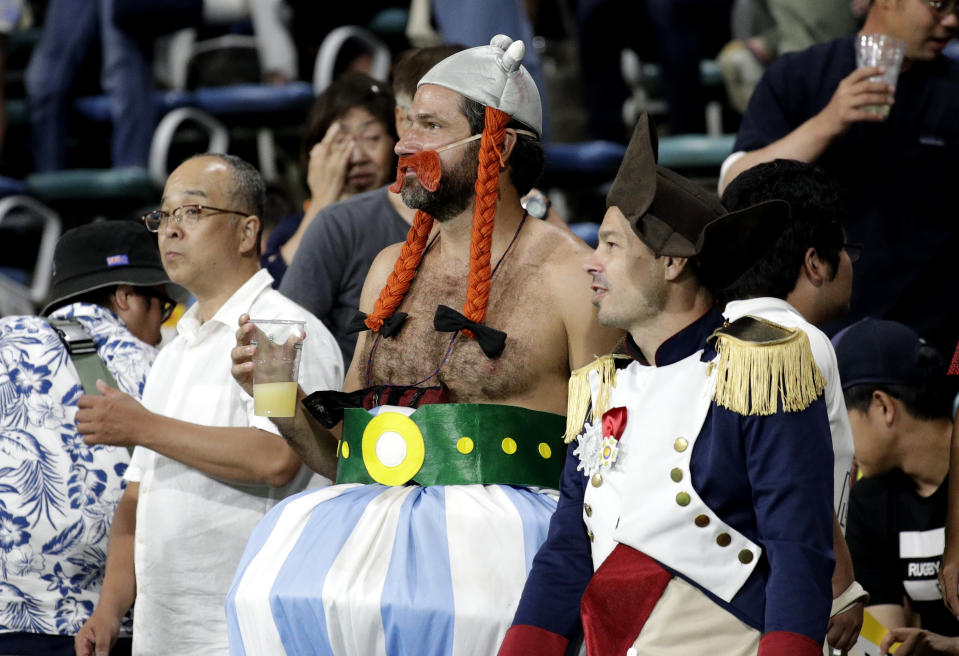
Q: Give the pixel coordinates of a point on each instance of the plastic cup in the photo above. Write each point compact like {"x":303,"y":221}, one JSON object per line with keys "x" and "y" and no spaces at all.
{"x":276,"y":365}
{"x":880,"y":50}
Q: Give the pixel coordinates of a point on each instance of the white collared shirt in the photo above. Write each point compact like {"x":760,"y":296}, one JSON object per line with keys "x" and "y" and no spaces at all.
{"x":191,"y":529}
{"x":781,"y":312}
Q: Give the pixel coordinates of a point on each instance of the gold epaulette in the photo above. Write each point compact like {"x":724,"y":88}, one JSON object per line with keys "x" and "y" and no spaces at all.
{"x":761,"y":363}
{"x":580,"y":399}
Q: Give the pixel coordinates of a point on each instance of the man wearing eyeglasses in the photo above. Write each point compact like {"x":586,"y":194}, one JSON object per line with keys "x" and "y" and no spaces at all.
{"x":899,"y":171}
{"x":204,"y":469}
{"x":58,"y":495}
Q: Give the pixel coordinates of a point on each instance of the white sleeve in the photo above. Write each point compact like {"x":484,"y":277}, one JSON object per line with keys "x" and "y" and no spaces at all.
{"x":273,"y":40}
{"x":724,"y":169}
{"x":138,"y":462}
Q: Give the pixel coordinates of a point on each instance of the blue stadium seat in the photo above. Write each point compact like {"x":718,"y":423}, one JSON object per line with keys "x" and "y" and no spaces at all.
{"x":587,"y":231}
{"x":695,"y":151}
{"x":11,"y":187}
{"x":97,"y":108}
{"x":594,"y":159}
{"x":244,"y":99}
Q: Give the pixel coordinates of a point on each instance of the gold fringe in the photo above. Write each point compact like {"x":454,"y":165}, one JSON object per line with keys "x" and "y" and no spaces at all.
{"x":579,"y":399}
{"x":752,"y":375}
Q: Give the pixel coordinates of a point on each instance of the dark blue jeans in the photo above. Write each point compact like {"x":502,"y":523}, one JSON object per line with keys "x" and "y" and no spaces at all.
{"x":69,"y":30}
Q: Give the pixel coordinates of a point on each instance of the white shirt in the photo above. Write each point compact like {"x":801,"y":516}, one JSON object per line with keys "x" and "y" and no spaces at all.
{"x":781,"y":312}
{"x":191,"y":529}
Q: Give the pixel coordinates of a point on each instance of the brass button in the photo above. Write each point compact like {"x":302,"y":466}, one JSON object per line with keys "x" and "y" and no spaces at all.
{"x":702,"y":521}
{"x":676,"y":474}
{"x":589,"y":532}
{"x":597,"y":479}
{"x":745,"y":556}
{"x":683,"y":498}
{"x":680,"y":444}
{"x":723,"y":540}
{"x":589,"y":509}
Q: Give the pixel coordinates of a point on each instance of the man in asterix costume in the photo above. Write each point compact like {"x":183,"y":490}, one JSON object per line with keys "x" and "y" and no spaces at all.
{"x":695,"y":514}
{"x":423,"y":545}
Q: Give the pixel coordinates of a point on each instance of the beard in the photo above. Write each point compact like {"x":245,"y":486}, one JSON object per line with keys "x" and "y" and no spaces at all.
{"x":454,"y":193}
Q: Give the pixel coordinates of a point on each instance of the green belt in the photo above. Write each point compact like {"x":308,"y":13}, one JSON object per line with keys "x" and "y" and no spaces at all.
{"x":452,"y":444}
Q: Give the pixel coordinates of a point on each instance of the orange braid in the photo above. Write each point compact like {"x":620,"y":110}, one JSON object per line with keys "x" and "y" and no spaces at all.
{"x":484,"y":209}
{"x":403,"y":271}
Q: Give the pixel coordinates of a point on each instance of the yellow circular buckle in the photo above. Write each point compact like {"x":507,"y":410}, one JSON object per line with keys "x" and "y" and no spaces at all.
{"x":382,"y":436}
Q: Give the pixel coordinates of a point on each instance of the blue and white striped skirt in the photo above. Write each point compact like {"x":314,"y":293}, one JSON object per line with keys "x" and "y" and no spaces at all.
{"x":371,"y":570}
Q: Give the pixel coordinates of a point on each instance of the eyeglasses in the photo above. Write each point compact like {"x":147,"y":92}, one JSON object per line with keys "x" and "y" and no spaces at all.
{"x":166,"y":303}
{"x":854,"y":251}
{"x":943,"y":6}
{"x":187,"y":215}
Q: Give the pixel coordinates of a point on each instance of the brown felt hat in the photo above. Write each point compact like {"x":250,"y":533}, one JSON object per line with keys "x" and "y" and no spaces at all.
{"x":676,"y":217}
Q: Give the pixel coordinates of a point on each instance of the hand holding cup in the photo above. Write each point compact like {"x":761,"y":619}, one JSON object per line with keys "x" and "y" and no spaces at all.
{"x":885,"y":53}
{"x":277,"y":346}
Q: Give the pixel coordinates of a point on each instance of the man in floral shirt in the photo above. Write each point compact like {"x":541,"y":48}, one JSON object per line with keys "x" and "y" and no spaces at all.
{"x":58,"y":495}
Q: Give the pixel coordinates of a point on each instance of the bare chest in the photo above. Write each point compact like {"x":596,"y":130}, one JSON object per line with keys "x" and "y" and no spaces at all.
{"x":535,"y":353}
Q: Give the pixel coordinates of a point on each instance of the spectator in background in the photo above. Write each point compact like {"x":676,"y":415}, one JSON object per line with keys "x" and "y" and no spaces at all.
{"x":899,"y":172}
{"x":804,"y":281}
{"x":58,"y":495}
{"x":919,"y":642}
{"x":899,"y":404}
{"x":347,"y":149}
{"x":14,"y":15}
{"x":126,"y":30}
{"x":70,"y":30}
{"x":407,"y":71}
{"x":675,"y":33}
{"x":763,"y":30}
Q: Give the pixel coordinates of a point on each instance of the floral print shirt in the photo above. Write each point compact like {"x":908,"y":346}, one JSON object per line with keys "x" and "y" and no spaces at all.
{"x":57,"y":495}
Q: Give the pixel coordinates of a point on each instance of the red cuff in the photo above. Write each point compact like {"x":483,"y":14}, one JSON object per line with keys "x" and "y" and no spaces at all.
{"x":527,"y":640}
{"x":786,"y":643}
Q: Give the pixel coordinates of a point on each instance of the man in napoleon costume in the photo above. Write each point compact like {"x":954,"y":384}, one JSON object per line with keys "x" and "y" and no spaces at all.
{"x":695,"y":514}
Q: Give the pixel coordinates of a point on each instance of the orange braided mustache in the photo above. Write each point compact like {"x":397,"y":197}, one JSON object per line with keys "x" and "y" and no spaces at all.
{"x":425,"y":165}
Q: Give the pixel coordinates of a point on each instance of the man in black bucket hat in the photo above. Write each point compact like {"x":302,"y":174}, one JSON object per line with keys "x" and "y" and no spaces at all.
{"x":696,"y":503}
{"x":58,"y":495}
{"x":97,"y":257}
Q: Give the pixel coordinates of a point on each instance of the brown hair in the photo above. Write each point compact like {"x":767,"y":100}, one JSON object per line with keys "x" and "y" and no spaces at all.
{"x":413,"y":64}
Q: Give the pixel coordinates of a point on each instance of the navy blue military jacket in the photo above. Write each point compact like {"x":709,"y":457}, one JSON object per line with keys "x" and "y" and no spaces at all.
{"x":769,"y":477}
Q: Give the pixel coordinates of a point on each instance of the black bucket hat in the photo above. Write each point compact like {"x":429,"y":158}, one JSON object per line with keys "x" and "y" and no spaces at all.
{"x":676,"y":217}
{"x":106,"y":253}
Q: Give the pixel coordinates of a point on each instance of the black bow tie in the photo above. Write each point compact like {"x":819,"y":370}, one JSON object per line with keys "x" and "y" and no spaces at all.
{"x":391,"y":325}
{"x":448,"y":320}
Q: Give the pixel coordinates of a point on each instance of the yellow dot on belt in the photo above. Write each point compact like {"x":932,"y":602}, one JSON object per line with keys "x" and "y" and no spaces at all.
{"x":464,"y":445}
{"x":509,"y":446}
{"x":345,"y":450}
{"x":545,"y":451}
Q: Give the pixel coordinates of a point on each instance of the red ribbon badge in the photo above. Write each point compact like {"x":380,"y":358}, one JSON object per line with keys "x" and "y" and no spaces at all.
{"x":614,"y":422}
